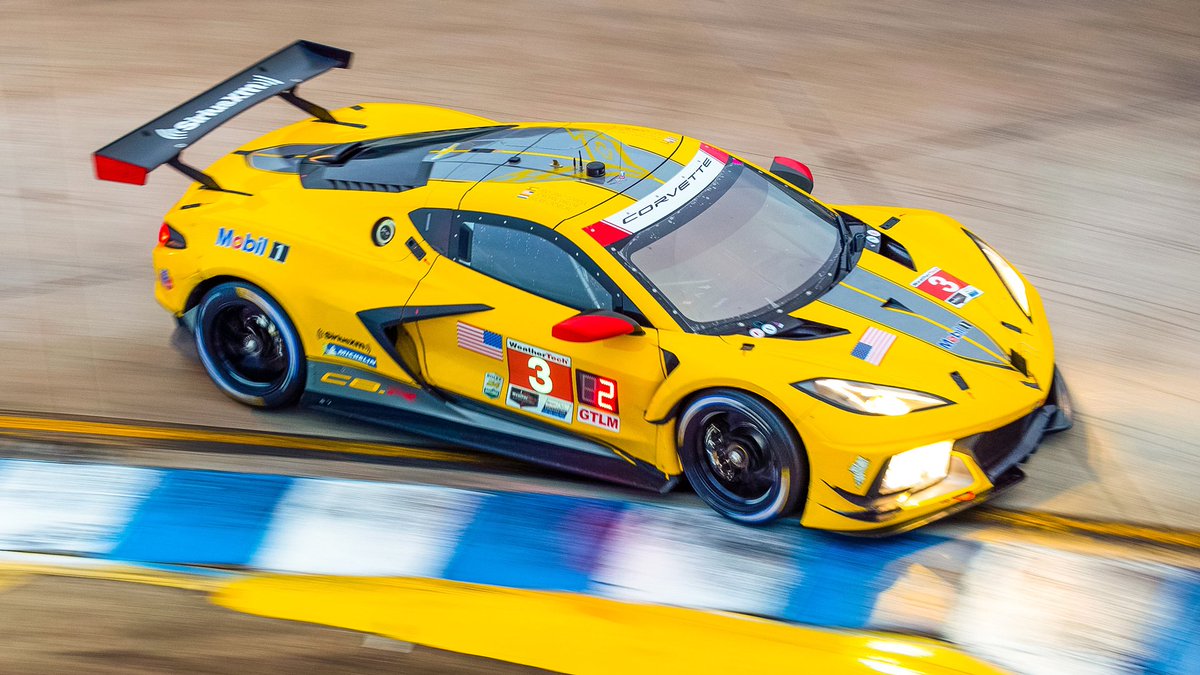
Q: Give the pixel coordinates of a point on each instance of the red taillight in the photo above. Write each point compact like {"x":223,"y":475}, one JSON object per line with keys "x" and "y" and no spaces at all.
{"x":167,"y":236}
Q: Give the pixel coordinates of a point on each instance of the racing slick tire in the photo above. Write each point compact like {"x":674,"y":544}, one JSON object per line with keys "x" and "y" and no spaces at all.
{"x":741,"y":457}
{"x":249,"y":346}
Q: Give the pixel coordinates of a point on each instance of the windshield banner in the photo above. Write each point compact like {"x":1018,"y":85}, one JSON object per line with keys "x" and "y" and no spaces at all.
{"x":679,"y":190}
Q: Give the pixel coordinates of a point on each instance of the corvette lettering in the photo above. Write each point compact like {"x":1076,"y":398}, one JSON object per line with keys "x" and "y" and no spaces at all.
{"x":256,"y":85}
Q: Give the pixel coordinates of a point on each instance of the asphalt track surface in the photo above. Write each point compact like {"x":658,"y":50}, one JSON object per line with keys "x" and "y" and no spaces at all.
{"x":150,"y":628}
{"x":1065,"y":134}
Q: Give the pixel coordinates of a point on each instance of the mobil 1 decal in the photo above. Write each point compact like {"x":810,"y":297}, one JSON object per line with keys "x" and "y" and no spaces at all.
{"x":598,"y":402}
{"x":946,"y":287}
{"x":539,"y":381}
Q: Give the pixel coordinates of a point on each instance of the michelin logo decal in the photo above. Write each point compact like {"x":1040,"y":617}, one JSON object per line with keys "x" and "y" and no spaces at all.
{"x":256,"y":85}
{"x":349,"y":354}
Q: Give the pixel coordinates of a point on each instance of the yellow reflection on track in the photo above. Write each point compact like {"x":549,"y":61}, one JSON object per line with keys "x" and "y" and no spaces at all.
{"x":28,"y":426}
{"x":580,"y":634}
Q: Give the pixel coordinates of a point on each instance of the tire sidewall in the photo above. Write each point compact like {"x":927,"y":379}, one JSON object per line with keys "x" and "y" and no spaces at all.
{"x":292,"y":385}
{"x":791,"y":483}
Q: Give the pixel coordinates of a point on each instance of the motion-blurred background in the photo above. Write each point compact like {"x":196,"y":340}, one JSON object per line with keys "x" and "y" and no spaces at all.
{"x":1065,"y":133}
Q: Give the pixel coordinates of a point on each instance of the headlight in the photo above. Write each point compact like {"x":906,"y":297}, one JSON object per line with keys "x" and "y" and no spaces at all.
{"x":1012,"y":280}
{"x":917,"y":468}
{"x":870,"y":399}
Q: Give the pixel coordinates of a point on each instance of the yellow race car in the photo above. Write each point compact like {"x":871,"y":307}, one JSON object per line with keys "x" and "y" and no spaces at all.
{"x":623,"y":302}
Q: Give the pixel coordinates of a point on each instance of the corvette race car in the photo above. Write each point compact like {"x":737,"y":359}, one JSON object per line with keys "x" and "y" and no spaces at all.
{"x":623,"y":302}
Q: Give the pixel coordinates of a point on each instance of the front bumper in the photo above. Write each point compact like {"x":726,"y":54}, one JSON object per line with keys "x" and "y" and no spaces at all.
{"x":981,"y":467}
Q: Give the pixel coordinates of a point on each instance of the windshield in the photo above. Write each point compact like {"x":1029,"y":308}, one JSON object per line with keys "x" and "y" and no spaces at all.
{"x":743,"y":246}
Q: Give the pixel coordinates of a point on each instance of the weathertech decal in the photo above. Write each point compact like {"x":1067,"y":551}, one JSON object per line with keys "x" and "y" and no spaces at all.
{"x":946,"y":287}
{"x":689,"y":182}
{"x":539,"y":381}
{"x":256,"y":85}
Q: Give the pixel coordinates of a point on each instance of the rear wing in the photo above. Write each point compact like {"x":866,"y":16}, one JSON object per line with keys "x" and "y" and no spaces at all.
{"x":132,"y":157}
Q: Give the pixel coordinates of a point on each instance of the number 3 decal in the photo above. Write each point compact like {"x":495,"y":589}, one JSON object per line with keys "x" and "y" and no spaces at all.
{"x":540,"y":380}
{"x":950,"y":286}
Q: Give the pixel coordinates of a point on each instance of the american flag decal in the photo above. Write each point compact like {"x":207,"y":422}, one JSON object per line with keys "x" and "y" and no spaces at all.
{"x":480,"y":341}
{"x":873,"y":346}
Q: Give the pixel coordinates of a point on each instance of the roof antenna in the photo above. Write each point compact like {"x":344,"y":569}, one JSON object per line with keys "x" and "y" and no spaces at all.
{"x":580,"y":152}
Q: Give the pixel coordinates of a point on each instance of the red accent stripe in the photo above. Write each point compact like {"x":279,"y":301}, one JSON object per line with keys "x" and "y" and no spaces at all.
{"x":117,"y":171}
{"x":605,"y":234}
{"x":719,"y":155}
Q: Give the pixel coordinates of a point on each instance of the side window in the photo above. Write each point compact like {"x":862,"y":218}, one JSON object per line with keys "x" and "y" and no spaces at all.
{"x":436,"y":228}
{"x":528,"y":256}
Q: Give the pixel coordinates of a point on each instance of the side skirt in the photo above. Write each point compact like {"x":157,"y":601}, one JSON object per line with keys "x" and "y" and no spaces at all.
{"x":367,"y":396}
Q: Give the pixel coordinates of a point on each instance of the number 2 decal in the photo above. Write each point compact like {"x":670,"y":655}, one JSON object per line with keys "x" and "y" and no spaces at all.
{"x":597,"y":391}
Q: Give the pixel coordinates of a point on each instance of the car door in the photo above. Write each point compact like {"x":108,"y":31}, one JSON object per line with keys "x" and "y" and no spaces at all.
{"x":500,"y":289}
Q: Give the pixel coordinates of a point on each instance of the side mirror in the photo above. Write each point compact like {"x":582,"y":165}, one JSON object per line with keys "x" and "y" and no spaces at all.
{"x":793,"y":172}
{"x":595,"y":326}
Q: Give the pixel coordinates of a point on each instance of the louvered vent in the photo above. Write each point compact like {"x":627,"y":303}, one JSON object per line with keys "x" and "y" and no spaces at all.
{"x":364,"y":187}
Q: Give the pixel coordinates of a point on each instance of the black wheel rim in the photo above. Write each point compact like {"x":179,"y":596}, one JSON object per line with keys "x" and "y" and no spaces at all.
{"x":735,"y":457}
{"x":248,"y":345}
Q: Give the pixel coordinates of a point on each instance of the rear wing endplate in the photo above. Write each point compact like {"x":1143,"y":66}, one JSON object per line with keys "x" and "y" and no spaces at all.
{"x":132,"y":157}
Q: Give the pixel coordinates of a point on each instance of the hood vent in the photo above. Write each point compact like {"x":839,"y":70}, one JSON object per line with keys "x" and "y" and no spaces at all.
{"x":1018,"y":362}
{"x":365,"y":187}
{"x":809,"y":330}
{"x":895,"y":251}
{"x":888,"y":247}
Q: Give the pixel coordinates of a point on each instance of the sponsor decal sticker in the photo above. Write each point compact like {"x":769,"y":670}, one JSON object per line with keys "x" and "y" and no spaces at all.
{"x":164,"y":278}
{"x":480,"y":341}
{"x":689,"y":182}
{"x":599,"y":418}
{"x":955,"y":336}
{"x":859,"y":470}
{"x":539,"y":381}
{"x":526,"y":194}
{"x":873,"y":346}
{"x":330,"y":336}
{"x":946,"y":287}
{"x":256,"y":85}
{"x":493,"y":384}
{"x":248,"y":243}
{"x":349,"y":354}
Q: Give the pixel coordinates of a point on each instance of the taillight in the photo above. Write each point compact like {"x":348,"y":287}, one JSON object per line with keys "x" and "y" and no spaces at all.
{"x":167,"y":236}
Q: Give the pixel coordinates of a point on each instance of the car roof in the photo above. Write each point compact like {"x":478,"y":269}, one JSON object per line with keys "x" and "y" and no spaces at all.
{"x":540,"y":171}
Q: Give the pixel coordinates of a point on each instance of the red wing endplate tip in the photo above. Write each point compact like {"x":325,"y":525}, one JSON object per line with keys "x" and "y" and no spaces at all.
{"x":117,"y":171}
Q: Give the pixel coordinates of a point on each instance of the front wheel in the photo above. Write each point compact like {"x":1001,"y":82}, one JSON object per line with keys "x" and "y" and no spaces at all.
{"x":249,"y":346}
{"x":741,"y":457}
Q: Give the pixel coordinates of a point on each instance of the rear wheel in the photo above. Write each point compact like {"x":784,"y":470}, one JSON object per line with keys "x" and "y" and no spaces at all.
{"x":249,"y":346}
{"x":741,"y":457}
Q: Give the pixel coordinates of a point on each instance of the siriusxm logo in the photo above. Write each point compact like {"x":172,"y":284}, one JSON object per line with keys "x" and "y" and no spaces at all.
{"x":227,"y":238}
{"x":256,"y":85}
